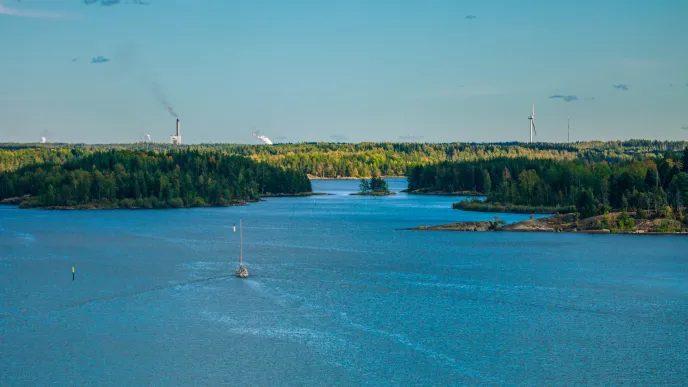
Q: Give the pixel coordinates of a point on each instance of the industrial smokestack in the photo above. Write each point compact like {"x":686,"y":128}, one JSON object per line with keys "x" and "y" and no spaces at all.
{"x":177,"y":140}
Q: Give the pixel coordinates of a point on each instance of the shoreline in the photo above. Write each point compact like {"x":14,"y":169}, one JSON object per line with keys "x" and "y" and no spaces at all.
{"x":295,"y":195}
{"x":103,"y":208}
{"x":17,"y":202}
{"x":566,"y":223}
{"x":94,"y":206}
{"x":372,"y":193}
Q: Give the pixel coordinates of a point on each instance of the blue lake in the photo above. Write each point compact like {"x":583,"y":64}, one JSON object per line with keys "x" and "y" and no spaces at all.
{"x":337,"y":296}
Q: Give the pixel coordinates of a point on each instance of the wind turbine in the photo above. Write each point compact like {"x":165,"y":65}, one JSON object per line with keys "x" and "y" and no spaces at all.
{"x":532,"y":124}
{"x":568,"y":130}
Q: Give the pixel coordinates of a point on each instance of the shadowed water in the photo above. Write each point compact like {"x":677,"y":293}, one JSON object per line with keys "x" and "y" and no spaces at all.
{"x":337,"y":296}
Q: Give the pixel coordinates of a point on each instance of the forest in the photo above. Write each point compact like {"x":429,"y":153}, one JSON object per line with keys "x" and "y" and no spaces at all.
{"x":592,"y":177}
{"x":145,"y":179}
{"x":545,"y":185}
{"x":361,"y":160}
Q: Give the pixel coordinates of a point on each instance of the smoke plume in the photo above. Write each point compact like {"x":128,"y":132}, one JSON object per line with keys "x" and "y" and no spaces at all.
{"x":262,"y":138}
{"x":128,"y":61}
{"x":160,"y":96}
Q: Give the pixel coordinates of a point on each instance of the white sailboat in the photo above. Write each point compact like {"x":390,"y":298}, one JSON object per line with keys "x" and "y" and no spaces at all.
{"x":242,"y":272}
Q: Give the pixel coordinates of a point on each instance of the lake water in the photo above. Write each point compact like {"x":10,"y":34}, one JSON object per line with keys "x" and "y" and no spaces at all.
{"x":337,"y":296}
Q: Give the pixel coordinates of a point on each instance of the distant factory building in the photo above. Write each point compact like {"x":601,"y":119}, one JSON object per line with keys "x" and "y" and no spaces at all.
{"x":177,"y":140}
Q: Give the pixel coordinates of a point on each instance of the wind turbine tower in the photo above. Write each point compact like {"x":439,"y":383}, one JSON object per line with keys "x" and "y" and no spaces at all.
{"x":568,"y":130}
{"x":532,"y":124}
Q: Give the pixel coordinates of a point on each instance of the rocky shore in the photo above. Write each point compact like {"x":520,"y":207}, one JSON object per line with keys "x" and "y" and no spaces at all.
{"x":570,"y":223}
{"x":459,"y":226}
{"x":15,"y":201}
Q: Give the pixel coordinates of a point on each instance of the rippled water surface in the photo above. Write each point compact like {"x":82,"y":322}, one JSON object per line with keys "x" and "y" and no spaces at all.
{"x":337,"y":296}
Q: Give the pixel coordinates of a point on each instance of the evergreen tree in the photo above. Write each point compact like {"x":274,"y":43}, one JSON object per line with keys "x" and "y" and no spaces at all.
{"x":678,"y":190}
{"x":586,"y":204}
{"x":364,"y":186}
{"x":651,"y":179}
{"x":487,"y":182}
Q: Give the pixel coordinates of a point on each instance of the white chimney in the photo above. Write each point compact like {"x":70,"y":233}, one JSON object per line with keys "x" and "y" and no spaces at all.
{"x":177,"y":140}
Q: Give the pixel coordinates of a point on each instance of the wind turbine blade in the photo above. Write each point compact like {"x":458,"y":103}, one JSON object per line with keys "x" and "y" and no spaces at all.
{"x":534,"y":131}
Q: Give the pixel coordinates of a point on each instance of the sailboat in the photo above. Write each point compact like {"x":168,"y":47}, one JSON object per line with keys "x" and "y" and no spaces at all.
{"x":242,"y":272}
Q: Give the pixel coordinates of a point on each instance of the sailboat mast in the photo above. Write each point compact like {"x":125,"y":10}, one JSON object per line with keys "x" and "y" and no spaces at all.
{"x":241,"y":246}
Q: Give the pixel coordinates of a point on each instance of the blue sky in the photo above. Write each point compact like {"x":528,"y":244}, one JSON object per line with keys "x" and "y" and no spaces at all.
{"x":446,"y":70}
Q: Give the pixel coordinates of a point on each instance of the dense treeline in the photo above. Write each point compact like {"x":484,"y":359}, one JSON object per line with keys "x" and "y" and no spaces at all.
{"x":148,"y":179}
{"x":650,"y":184}
{"x":13,"y":159}
{"x":365,"y":159}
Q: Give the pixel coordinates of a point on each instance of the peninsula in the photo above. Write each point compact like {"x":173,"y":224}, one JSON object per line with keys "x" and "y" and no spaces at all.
{"x":649,"y":186}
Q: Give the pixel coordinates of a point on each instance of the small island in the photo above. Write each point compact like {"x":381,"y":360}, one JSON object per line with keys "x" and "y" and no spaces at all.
{"x":376,"y":186}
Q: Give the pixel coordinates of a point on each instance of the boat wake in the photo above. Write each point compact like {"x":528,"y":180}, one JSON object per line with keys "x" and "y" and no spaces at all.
{"x":293,"y":301}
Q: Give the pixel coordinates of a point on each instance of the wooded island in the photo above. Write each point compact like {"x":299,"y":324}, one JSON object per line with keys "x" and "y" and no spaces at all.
{"x":146,"y":179}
